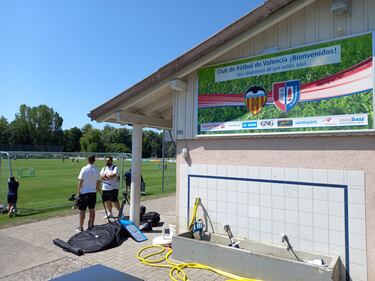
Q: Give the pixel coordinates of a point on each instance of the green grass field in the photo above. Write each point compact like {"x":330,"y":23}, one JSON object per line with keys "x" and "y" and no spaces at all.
{"x":46,"y":194}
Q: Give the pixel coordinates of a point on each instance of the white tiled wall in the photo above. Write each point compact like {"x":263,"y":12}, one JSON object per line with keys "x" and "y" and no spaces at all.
{"x":312,"y":216}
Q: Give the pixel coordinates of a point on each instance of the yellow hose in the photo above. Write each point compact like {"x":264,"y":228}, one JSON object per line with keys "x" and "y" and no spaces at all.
{"x":194,"y":216}
{"x":177,"y":270}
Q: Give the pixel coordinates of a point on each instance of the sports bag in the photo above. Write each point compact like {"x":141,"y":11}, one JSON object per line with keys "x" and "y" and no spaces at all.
{"x":151,"y":217}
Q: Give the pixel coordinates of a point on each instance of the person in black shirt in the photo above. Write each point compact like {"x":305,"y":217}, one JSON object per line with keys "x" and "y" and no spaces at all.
{"x":12,"y":195}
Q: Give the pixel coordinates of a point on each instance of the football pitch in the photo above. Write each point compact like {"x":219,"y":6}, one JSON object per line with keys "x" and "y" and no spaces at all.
{"x":55,"y":181}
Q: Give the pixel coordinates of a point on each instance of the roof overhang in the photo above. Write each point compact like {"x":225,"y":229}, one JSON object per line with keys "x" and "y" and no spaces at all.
{"x":150,"y":102}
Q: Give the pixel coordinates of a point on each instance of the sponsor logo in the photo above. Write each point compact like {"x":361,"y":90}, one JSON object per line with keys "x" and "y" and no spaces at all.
{"x":305,"y":122}
{"x":210,"y":126}
{"x":266,"y":123}
{"x":250,"y":124}
{"x":285,"y":123}
{"x":352,"y":120}
{"x":255,"y":99}
{"x":286,"y":94}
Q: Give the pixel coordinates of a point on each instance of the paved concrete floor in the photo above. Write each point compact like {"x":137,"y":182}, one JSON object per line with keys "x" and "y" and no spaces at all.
{"x":27,"y":251}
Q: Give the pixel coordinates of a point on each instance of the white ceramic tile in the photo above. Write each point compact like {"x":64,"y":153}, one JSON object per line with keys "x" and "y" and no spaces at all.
{"x":305,"y":175}
{"x":291,"y":204}
{"x":277,"y":173}
{"x":253,"y":172}
{"x":336,"y":209}
{"x":212,"y":206}
{"x":183,"y":168}
{"x":202,"y":182}
{"x":254,"y":224}
{"x":306,"y":233}
{"x":291,"y":217}
{"x":221,"y":195}
{"x":278,"y":202}
{"x":320,"y":176}
{"x":202,"y":193}
{"x":357,"y":226}
{"x":212,"y":194}
{"x":265,"y":213}
{"x":356,"y":211}
{"x":278,"y":215}
{"x":306,"y":245}
{"x":337,"y":250}
{"x":266,"y":226}
{"x":211,"y":184}
{"x":278,"y":190}
{"x":193,"y":182}
{"x":358,"y":272}
{"x":232,"y":221}
{"x":265,"y":173}
{"x":183,"y":201}
{"x":242,"y":186}
{"x":305,"y":192}
{"x":211,"y":170}
{"x":292,"y":230}
{"x":305,"y":205}
{"x":221,"y":170}
{"x":291,"y":190}
{"x":356,"y":178}
{"x":278,"y":228}
{"x":193,"y":169}
{"x":320,"y":193}
{"x":232,"y":196}
{"x":232,"y":208}
{"x":253,"y":199}
{"x":265,"y":237}
{"x":253,"y":187}
{"x":276,"y":239}
{"x":320,"y":207}
{"x":321,"y":221}
{"x":202,"y":169}
{"x":242,"y":232}
{"x":320,"y":247}
{"x":243,"y":222}
{"x":253,"y":211}
{"x":242,"y":209}
{"x":305,"y":219}
{"x":221,"y":207}
{"x":242,"y":172}
{"x":254,"y":235}
{"x":357,"y":256}
{"x":232,"y":171}
{"x":336,"y":194}
{"x":321,"y":235}
{"x":221,"y":218}
{"x":356,"y":196}
{"x":242,"y":198}
{"x":337,"y":237}
{"x":291,"y":174}
{"x":232,"y":186}
{"x":336,"y":223}
{"x":265,"y":188}
{"x":335,"y":177}
{"x":194,"y":193}
{"x":265,"y":200}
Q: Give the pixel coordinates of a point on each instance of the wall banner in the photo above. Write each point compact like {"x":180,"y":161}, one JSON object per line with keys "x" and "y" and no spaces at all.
{"x":328,"y":86}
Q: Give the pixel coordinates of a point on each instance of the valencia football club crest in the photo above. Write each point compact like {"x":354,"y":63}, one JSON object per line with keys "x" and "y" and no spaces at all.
{"x":255,"y":99}
{"x":286,"y":94}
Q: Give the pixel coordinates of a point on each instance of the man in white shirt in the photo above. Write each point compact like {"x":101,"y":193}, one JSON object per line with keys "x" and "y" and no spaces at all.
{"x":88,"y":185}
{"x":110,"y":182}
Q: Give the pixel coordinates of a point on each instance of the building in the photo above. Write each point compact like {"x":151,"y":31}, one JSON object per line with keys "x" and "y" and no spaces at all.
{"x":273,"y":118}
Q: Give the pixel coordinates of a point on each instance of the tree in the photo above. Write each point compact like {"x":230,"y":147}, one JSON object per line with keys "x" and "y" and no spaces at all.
{"x":91,"y":141}
{"x":116,"y":140}
{"x":4,"y":130}
{"x":151,"y":145}
{"x":71,"y":139}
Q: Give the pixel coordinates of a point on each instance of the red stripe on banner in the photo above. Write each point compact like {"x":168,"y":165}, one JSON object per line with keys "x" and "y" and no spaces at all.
{"x":357,"y":78}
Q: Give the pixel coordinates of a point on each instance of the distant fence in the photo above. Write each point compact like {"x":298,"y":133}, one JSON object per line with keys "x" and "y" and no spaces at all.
{"x":31,"y":147}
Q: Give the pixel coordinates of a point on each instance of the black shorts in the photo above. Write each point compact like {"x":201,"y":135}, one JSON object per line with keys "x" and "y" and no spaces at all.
{"x":110,"y":195}
{"x":87,"y":200}
{"x":12,"y":199}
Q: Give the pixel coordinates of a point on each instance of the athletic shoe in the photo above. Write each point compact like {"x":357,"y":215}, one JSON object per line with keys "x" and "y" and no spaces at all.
{"x":110,"y":216}
{"x":79,"y":229}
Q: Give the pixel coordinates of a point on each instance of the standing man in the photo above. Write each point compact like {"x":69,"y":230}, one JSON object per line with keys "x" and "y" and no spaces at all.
{"x":109,"y":177}
{"x":12,"y":195}
{"x":88,"y":185}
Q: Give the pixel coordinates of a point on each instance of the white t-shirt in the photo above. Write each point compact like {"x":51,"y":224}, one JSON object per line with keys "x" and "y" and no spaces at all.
{"x":90,"y":175}
{"x":109,"y":184}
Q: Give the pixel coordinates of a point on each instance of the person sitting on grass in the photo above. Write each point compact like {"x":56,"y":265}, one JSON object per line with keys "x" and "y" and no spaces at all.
{"x":13,"y":185}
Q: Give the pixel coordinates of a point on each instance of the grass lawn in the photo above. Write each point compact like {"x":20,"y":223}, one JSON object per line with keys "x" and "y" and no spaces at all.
{"x":46,"y":194}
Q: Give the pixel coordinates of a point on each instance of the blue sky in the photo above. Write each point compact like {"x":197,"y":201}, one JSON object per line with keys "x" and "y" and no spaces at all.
{"x":75,"y":55}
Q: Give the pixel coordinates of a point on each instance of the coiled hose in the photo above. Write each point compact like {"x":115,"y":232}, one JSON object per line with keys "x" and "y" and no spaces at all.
{"x":177,"y":270}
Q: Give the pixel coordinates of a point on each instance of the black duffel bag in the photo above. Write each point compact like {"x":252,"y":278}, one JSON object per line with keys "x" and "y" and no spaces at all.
{"x":151,"y":217}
